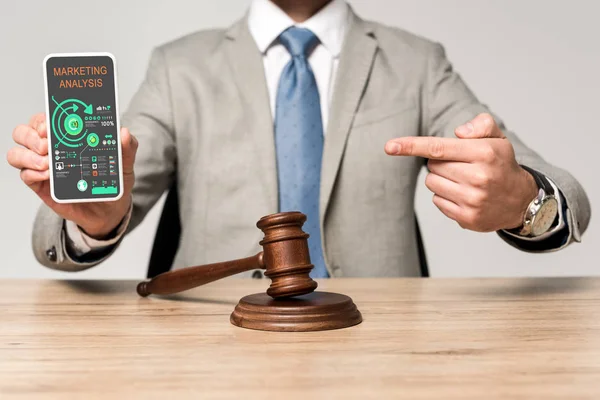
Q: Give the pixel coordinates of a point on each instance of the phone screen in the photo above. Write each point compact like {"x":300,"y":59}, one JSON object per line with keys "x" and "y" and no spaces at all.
{"x":83,"y":128}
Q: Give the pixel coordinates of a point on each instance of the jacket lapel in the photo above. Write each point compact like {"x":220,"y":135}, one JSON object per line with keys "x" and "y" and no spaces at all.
{"x":249,"y":75}
{"x":353,"y":73}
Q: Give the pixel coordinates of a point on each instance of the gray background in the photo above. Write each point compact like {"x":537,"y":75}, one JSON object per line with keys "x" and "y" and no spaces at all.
{"x":534,"y":62}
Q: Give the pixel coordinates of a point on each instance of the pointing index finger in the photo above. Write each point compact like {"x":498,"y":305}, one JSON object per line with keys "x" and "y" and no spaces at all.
{"x":435,"y":148}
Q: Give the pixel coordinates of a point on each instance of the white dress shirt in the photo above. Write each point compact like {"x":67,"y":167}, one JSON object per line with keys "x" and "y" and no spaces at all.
{"x":266,"y":22}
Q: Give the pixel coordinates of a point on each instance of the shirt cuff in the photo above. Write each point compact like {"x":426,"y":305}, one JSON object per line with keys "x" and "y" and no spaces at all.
{"x":79,"y":243}
{"x":559,"y":235}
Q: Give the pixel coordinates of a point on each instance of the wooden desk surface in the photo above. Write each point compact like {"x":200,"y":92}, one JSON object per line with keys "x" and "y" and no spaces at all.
{"x":421,"y":338}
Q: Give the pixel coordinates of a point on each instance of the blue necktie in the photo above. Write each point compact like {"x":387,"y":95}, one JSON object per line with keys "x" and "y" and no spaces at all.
{"x":299,"y":139}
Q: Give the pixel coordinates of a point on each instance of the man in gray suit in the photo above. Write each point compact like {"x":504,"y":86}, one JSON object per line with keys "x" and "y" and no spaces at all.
{"x":295,"y":107}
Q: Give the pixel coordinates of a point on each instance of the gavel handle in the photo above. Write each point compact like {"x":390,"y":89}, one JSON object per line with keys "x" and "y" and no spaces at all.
{"x":191,"y":277}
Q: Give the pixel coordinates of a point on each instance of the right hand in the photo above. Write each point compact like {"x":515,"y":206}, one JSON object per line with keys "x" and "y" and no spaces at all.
{"x":96,"y":219}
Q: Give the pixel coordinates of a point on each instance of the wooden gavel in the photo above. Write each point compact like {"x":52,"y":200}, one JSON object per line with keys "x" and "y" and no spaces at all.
{"x":285,"y":257}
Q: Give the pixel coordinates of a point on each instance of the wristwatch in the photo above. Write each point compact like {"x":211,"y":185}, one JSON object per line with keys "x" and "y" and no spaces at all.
{"x":542,"y":212}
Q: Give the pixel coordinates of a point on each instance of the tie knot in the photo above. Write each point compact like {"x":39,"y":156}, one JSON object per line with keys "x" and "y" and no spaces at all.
{"x":299,"y":42}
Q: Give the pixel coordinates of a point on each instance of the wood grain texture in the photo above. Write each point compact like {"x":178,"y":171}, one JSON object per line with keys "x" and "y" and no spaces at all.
{"x":420,"y":339}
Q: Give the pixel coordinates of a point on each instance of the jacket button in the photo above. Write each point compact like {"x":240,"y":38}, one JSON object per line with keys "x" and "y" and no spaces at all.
{"x":257,"y":275}
{"x":51,"y":254}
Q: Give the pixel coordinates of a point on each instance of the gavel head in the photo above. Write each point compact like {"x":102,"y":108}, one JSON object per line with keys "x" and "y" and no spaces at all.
{"x":285,"y":254}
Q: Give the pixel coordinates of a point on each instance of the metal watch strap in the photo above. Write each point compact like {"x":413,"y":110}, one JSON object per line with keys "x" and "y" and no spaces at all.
{"x":543,"y":184}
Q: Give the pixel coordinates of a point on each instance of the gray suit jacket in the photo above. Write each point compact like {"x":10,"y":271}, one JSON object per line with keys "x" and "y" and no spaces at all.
{"x":202,"y":116}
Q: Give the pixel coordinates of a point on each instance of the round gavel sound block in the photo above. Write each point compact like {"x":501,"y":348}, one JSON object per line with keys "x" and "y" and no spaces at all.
{"x":317,"y":311}
{"x":290,"y":304}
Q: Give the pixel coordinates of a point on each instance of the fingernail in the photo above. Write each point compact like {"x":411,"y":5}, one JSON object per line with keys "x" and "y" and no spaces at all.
{"x":393,"y":148}
{"x":465,"y":129}
{"x":41,"y":126}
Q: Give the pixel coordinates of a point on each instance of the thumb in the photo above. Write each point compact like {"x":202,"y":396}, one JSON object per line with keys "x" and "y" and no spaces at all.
{"x":129,"y":146}
{"x":482,"y":126}
{"x":38,"y":122}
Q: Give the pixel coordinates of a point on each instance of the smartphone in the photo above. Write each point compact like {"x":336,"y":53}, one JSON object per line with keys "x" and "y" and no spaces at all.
{"x":82,"y":119}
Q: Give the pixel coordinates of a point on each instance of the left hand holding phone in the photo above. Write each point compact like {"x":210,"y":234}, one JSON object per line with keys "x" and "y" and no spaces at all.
{"x":98,"y":219}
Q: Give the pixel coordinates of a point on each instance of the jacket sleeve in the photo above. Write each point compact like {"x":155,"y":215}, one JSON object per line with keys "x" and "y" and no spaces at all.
{"x":449,"y":103}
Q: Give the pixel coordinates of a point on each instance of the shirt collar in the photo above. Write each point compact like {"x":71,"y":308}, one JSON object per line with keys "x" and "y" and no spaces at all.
{"x":266,"y":22}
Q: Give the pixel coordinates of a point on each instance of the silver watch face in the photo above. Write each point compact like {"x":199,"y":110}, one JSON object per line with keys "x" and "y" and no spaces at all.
{"x":545,"y":217}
